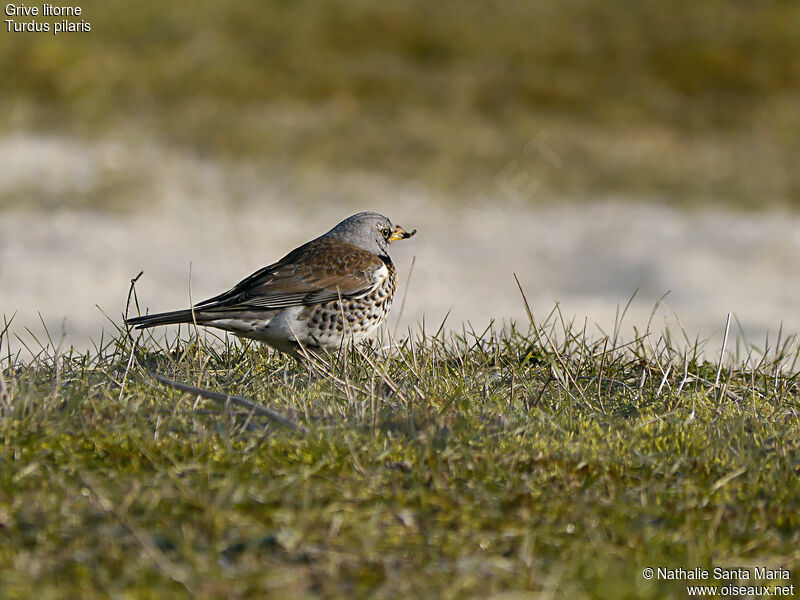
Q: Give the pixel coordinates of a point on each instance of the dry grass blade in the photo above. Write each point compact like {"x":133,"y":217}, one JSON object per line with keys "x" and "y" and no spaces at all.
{"x":101,"y":499}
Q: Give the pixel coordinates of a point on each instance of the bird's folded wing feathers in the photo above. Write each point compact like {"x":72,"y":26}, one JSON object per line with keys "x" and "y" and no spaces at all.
{"x":320,"y":271}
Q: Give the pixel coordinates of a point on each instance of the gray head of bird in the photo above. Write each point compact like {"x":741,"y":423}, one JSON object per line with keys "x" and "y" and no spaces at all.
{"x":371,"y":231}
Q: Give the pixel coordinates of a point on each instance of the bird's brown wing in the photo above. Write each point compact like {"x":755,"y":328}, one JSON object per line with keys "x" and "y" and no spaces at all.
{"x":319,"y":271}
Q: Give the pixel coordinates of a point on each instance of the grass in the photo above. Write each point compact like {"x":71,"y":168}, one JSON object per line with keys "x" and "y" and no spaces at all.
{"x":687,"y":102}
{"x":531,"y":459}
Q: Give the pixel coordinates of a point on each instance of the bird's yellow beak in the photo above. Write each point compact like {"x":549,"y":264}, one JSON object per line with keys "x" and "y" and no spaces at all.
{"x":400,"y":234}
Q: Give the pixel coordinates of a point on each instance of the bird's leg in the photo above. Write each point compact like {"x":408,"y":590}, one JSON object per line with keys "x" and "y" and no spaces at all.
{"x":308,"y":361}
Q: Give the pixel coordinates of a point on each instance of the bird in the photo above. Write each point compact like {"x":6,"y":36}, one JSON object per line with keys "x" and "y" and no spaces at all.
{"x":336,"y":288}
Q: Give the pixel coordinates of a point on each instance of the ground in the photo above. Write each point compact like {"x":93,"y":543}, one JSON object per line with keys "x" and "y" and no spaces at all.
{"x":467,"y":466}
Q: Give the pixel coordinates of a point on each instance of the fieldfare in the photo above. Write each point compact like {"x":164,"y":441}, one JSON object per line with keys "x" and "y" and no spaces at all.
{"x":333,"y":289}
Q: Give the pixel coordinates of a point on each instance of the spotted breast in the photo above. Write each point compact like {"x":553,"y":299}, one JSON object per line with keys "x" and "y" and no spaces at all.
{"x":358,"y":317}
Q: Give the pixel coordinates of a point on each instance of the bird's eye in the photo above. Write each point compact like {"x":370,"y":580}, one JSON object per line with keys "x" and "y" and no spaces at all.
{"x":386,"y":232}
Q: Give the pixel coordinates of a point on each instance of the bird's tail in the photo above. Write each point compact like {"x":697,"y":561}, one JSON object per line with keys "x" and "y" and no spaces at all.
{"x":166,"y":318}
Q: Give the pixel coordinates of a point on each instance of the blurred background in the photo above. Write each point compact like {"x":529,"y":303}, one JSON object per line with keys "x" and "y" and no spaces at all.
{"x":592,"y":148}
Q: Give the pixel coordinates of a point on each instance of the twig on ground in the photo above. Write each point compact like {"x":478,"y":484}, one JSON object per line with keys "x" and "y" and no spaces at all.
{"x":236,"y":400}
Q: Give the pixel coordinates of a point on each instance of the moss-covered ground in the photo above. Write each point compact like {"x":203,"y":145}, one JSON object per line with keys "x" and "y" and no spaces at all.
{"x":516,"y":459}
